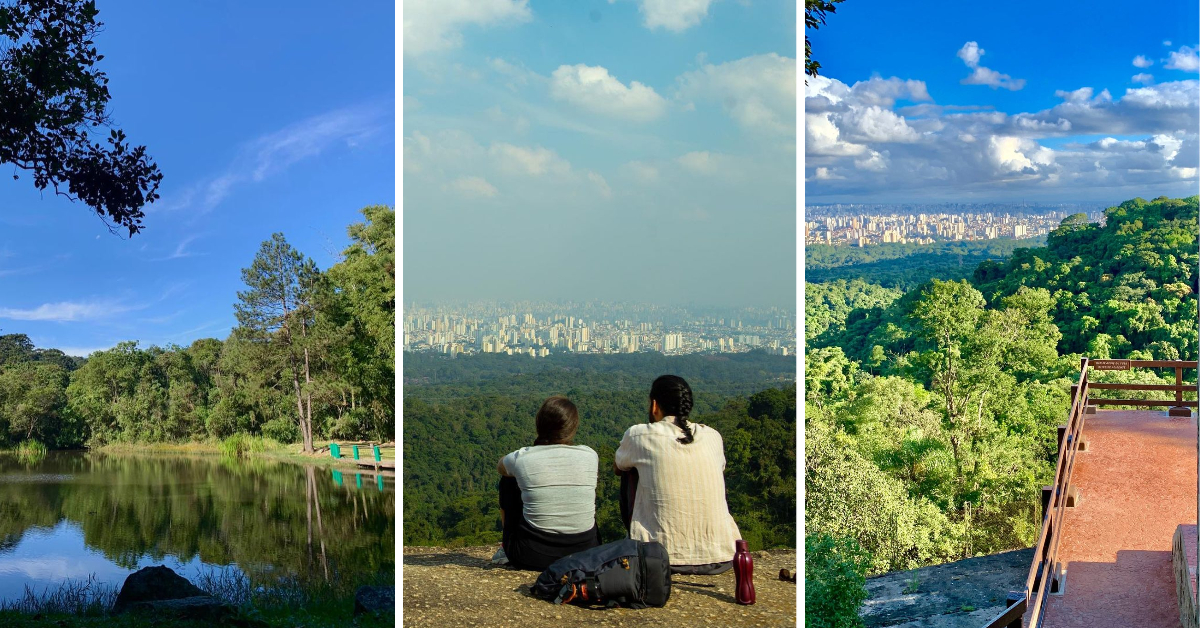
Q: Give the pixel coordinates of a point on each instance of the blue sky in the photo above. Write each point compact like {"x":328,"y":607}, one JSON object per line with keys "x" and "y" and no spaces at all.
{"x":1042,"y":101}
{"x":261,"y":120}
{"x":634,"y":150}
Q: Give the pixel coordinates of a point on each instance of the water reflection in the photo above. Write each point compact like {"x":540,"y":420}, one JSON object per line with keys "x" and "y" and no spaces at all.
{"x":71,"y":516}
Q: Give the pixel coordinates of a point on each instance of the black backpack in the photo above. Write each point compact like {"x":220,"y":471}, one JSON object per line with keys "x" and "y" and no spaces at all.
{"x":629,"y":573}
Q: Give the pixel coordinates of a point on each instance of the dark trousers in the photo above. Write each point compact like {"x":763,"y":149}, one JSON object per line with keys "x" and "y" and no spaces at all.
{"x":529,"y":548}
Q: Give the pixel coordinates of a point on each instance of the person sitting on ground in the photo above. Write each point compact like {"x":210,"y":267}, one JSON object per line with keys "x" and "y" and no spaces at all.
{"x":680,"y":483}
{"x":548,"y":492}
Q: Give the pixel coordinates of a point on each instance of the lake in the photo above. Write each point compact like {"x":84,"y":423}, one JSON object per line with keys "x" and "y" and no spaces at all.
{"x":80,"y":516}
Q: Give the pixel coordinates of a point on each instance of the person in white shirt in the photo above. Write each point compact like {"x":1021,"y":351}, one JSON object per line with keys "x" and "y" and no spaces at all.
{"x":679,"y":498}
{"x":548,"y":492}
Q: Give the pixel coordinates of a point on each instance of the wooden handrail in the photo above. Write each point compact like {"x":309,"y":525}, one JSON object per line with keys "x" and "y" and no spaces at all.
{"x":1045,"y":556}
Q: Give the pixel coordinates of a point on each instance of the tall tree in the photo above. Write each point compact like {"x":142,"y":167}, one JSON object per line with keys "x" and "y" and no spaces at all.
{"x":277,"y":311}
{"x":53,"y":100}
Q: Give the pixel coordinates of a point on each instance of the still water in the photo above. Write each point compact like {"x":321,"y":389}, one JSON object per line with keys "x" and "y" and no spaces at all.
{"x":79,"y":516}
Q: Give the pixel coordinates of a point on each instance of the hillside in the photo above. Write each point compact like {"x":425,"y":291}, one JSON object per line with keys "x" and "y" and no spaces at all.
{"x":455,"y":431}
{"x":930,"y":417}
{"x":460,"y":587}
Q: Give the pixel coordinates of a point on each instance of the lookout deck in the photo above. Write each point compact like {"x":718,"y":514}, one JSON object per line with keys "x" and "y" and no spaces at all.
{"x":1136,"y":484}
{"x":1118,"y":519}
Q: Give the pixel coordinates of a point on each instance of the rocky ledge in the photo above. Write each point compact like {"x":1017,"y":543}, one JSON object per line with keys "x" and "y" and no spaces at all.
{"x":460,"y":587}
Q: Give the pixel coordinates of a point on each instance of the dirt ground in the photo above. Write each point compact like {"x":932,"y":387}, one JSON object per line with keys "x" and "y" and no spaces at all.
{"x":460,"y":588}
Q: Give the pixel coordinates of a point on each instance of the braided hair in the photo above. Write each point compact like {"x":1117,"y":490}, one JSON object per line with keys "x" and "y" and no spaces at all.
{"x":674,"y":398}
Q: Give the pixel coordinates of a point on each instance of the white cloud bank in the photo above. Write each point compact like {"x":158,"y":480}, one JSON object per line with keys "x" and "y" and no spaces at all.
{"x":434,"y":25}
{"x":857,"y":142}
{"x":673,"y":15}
{"x":758,"y":92}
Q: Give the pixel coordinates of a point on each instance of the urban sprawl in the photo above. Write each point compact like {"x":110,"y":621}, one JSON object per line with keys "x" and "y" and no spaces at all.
{"x":541,"y":329}
{"x":849,"y":224}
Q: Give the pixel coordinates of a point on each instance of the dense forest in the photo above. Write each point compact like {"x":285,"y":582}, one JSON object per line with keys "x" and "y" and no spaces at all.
{"x":905,"y":266}
{"x":930,"y":415}
{"x":482,"y":407}
{"x":312,"y":355}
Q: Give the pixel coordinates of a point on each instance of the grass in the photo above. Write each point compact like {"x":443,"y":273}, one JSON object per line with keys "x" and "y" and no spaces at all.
{"x":263,"y":448}
{"x":287,"y":603}
{"x":30,"y":451}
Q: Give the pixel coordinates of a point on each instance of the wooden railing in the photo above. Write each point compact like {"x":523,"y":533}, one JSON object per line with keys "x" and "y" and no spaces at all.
{"x":1045,"y":573}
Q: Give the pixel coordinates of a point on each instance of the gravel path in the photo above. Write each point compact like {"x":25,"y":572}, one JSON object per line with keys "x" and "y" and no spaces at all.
{"x":460,"y":587}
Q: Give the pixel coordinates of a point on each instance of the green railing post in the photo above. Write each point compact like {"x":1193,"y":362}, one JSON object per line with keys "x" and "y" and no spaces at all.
{"x":378,"y":457}
{"x":335,"y":450}
{"x":355,"y":451}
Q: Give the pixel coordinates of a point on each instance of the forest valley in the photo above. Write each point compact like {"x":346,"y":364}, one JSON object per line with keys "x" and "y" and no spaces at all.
{"x":461,"y":415}
{"x":931,"y":414}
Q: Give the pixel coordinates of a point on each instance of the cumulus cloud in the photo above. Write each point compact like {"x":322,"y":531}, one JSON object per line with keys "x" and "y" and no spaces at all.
{"x":673,"y":15}
{"x":856,"y":145}
{"x":702,"y":162}
{"x":970,"y":54}
{"x":1142,"y":62}
{"x":1143,"y":78}
{"x":433,"y":25}
{"x":1186,"y":59}
{"x":594,"y":89}
{"x":535,"y":161}
{"x":473,"y":187}
{"x":758,"y":92}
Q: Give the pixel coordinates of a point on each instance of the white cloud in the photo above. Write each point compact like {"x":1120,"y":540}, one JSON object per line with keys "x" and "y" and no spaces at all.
{"x":600,"y":183}
{"x":970,"y":54}
{"x":535,"y":161}
{"x":866,"y":148}
{"x":1166,"y":42}
{"x":594,"y":89}
{"x":875,"y":124}
{"x":473,"y":187}
{"x":1186,"y":59}
{"x":67,"y":311}
{"x":1142,"y":62}
{"x":1143,"y":78}
{"x":702,"y":162}
{"x":823,"y":174}
{"x":758,"y":92}
{"x":673,"y":15}
{"x":275,"y":152}
{"x":433,"y":25}
{"x":642,"y":171}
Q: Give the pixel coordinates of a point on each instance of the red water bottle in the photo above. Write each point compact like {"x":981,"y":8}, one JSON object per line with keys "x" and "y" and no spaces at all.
{"x":743,"y":571}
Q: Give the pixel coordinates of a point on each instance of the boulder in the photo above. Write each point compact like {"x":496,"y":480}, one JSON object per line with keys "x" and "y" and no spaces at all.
{"x":153,"y":584}
{"x":375,"y":600}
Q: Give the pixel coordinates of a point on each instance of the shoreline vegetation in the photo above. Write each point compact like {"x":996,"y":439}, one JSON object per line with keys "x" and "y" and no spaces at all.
{"x":87,"y":604}
{"x":311,"y":360}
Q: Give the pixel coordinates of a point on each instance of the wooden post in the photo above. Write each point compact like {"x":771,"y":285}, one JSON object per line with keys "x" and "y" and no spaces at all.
{"x":1179,"y":409}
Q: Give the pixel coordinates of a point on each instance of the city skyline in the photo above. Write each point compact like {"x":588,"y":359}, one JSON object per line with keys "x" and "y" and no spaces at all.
{"x":544,"y":160}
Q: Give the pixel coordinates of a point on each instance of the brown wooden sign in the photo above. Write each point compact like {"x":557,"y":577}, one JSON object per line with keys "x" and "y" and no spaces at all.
{"x":1109,"y":365}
